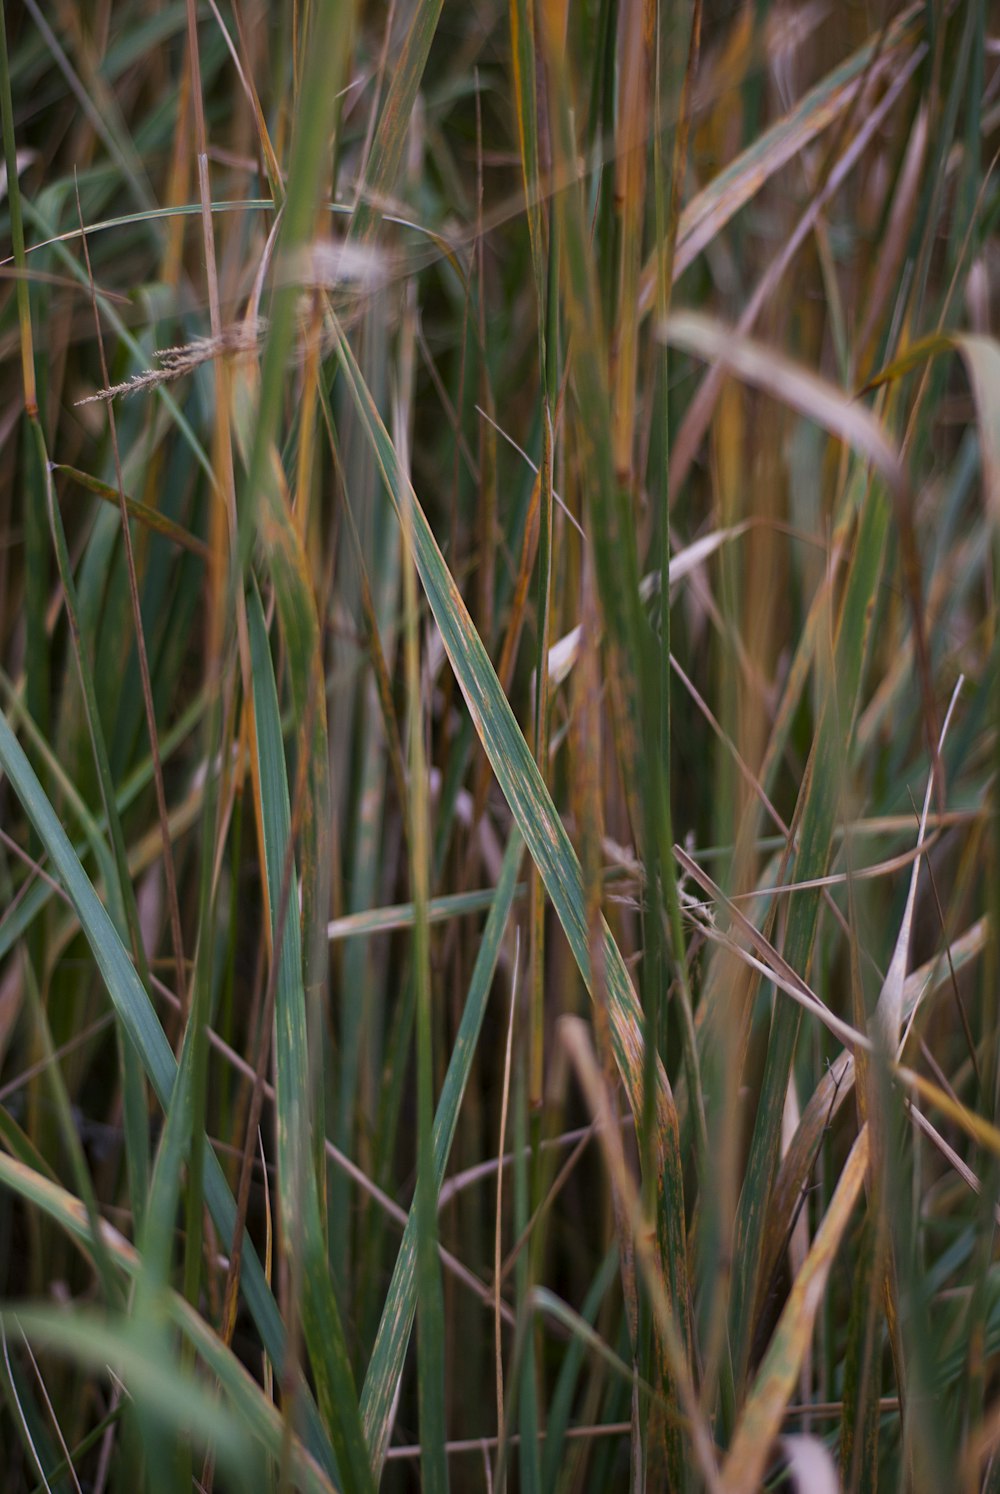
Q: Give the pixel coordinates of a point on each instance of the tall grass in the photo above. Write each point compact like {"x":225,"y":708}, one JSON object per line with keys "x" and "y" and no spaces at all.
{"x":498,"y":739}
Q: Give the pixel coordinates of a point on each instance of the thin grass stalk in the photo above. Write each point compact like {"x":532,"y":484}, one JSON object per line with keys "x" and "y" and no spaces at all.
{"x":430,"y":1300}
{"x":169,"y":870}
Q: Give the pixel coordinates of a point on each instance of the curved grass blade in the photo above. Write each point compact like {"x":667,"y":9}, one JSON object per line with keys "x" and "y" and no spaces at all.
{"x":445,"y":249}
{"x":259,"y":1416}
{"x":981,"y":356}
{"x":709,"y":212}
{"x":17,"y":920}
{"x":583,"y":1335}
{"x":798,"y":387}
{"x":179,"y":1403}
{"x":140,"y":1023}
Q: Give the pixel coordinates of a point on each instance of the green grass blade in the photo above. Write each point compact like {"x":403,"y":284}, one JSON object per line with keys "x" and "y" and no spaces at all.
{"x":511,"y":758}
{"x":401,"y":915}
{"x":136,"y":1140}
{"x":70,"y":1138}
{"x":536,"y":818}
{"x":331,"y":25}
{"x":381,"y":170}
{"x":175,"y":1400}
{"x":509,"y":754}
{"x":303,"y":1228}
{"x":143,"y":1029}
{"x":259,"y":1416}
{"x":389,"y":1353}
{"x":153,"y":519}
{"x":819,"y":798}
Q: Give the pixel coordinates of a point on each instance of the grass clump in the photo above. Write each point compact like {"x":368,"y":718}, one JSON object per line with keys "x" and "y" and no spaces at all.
{"x":498,"y":746}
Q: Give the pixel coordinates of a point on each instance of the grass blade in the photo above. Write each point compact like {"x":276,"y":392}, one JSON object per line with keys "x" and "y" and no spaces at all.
{"x":389,"y":1353}
{"x":775,"y":1382}
{"x":139,"y":1021}
{"x":299,"y":1196}
{"x":517,"y":773}
{"x":259,"y":1417}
